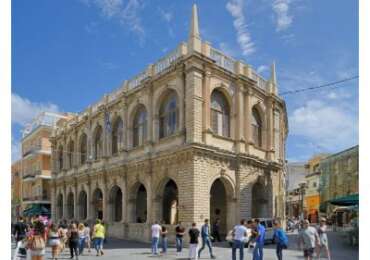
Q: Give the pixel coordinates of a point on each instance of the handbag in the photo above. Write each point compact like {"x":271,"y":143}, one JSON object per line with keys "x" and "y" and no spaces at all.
{"x":37,"y":243}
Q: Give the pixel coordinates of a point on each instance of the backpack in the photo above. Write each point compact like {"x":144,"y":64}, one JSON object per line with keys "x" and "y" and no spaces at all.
{"x":37,"y":243}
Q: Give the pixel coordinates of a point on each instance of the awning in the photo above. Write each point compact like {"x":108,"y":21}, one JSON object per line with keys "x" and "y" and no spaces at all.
{"x":349,"y":200}
{"x":36,"y":209}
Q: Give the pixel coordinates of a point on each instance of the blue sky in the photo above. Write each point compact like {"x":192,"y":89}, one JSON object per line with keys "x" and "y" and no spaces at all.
{"x":89,"y":47}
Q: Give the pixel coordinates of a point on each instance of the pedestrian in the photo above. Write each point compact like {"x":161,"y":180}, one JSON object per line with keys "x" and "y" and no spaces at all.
{"x":63,"y":237}
{"x":73,"y":240}
{"x":259,"y":233}
{"x":323,"y":237}
{"x":308,"y":239}
{"x":239,"y":237}
{"x":20,"y":230}
{"x":87,"y":236}
{"x":98,"y":236}
{"x":206,"y":239}
{"x":194,"y":240}
{"x":82,"y":238}
{"x":280,"y":239}
{"x":36,"y":241}
{"x":216,"y":230}
{"x":54,"y":240}
{"x":156,"y":231}
{"x":164,"y":238}
{"x":180,"y":231}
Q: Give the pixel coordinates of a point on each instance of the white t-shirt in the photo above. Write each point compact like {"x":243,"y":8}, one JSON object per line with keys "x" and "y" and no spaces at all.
{"x":239,"y":232}
{"x":156,"y":230}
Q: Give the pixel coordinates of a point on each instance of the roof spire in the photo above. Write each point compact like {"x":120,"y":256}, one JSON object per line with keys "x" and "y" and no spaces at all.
{"x":194,"y":29}
{"x":273,"y":73}
{"x":194,"y":41}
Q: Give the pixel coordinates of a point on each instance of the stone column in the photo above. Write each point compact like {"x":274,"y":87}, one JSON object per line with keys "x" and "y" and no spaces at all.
{"x":150,"y":121}
{"x":194,"y":106}
{"x":53,"y":199}
{"x":75,"y":197}
{"x":239,"y":119}
{"x":247,"y":120}
{"x":206,"y":104}
{"x":269,"y":129}
{"x":89,"y":202}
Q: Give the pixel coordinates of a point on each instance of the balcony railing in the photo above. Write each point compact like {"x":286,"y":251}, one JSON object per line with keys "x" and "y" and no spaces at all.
{"x":261,"y":82}
{"x":167,"y":61}
{"x":135,"y":82}
{"x":222,"y":60}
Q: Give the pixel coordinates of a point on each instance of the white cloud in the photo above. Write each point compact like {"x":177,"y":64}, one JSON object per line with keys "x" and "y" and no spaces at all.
{"x":166,"y":16}
{"x":283,"y":18}
{"x":126,"y":14}
{"x":235,"y":7}
{"x":262,"y":68}
{"x":328,"y":125}
{"x":23,"y":110}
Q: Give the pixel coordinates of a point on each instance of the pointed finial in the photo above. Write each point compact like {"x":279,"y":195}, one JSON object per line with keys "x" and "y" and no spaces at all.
{"x":273,"y":73}
{"x":194,"y":28}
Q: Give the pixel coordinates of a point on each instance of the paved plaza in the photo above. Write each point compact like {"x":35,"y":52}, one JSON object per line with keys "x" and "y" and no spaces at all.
{"x":122,"y":249}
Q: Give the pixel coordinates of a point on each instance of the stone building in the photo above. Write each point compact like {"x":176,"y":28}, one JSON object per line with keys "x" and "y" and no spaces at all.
{"x":196,"y":135}
{"x":339,"y":177}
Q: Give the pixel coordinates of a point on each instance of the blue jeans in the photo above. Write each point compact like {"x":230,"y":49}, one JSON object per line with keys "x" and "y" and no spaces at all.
{"x":178,"y":244}
{"x":279,"y":251}
{"x":164,"y":244}
{"x":206,"y":241}
{"x":155,"y":245}
{"x":98,"y":243}
{"x":237,"y":244}
{"x":81,"y":245}
{"x":258,"y":252}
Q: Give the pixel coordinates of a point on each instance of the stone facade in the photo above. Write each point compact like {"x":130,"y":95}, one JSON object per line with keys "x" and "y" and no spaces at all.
{"x":177,"y":157}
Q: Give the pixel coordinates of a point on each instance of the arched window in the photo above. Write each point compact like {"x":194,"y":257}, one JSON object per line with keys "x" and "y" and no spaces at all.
{"x":82,"y":205}
{"x":98,"y":143}
{"x":60,"y":158}
{"x":139,"y":127}
{"x":220,"y":114}
{"x":168,"y":116}
{"x":117,"y":136}
{"x":71,"y":149}
{"x":256,"y":127}
{"x":83,"y":148}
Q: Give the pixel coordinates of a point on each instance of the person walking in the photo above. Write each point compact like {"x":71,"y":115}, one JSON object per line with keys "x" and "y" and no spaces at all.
{"x":82,"y":238}
{"x":36,"y":241}
{"x":98,"y":236}
{"x":206,"y":239}
{"x":180,"y":231}
{"x":20,"y":230}
{"x":164,"y":238}
{"x":239,"y":237}
{"x":259,"y":233}
{"x":73,"y":240}
{"x":194,"y":240}
{"x":323,"y":238}
{"x":54,"y":241}
{"x":87,"y":235}
{"x":156,"y":231}
{"x":280,"y":239}
{"x":308,"y":239}
{"x":216,"y":231}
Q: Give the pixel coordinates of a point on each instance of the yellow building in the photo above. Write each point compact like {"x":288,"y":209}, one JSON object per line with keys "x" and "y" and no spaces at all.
{"x":34,"y":168}
{"x":312,"y":193}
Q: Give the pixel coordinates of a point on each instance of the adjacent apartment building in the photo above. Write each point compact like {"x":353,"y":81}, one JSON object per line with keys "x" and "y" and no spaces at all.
{"x":32,"y":173}
{"x":295,"y":183}
{"x":16,"y":179}
{"x":196,"y":135}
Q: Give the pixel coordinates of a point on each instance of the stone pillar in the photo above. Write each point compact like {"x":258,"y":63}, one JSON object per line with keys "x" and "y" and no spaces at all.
{"x":89,"y":212}
{"x":194,"y":106}
{"x":150,"y":113}
{"x":53,"y":199}
{"x":239,"y":120}
{"x":206,"y":104}
{"x":269,"y":129}
{"x":75,"y":197}
{"x":247,"y":120}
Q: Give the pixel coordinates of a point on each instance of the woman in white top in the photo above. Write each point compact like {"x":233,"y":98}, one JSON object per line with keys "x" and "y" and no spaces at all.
{"x":87,"y":236}
{"x":321,"y":230}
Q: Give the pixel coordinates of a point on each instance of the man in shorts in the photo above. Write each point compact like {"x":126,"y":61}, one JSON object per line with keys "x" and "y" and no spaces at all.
{"x":309,"y":239}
